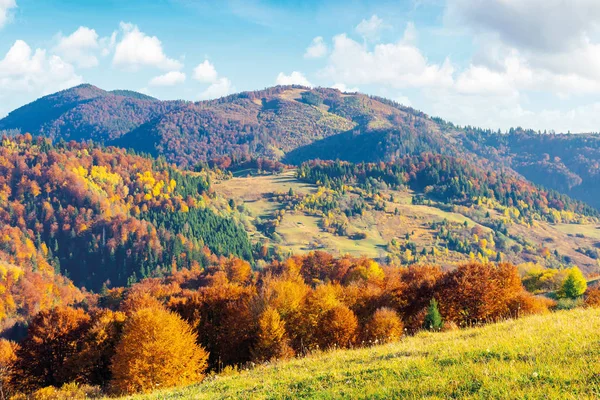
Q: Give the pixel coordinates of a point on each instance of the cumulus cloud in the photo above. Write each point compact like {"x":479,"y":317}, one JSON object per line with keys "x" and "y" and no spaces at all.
{"x":205,"y":72}
{"x":295,"y":78}
{"x":80,"y":47}
{"x":136,"y":50}
{"x":317,"y":48}
{"x":5,"y":8}
{"x":171,"y":78}
{"x":26,"y":74}
{"x":371,"y":28}
{"x":551,"y":41}
{"x":398,"y":64}
{"x":221,"y":87}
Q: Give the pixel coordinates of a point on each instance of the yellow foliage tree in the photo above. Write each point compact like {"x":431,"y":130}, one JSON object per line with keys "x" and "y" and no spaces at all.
{"x":158,"y":350}
{"x":272,"y":340}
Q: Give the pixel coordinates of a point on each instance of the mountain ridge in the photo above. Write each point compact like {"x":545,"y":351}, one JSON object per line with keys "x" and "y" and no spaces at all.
{"x":294,"y":124}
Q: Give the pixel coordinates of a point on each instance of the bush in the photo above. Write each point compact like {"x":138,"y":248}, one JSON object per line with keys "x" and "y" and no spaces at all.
{"x":384,"y":326}
{"x":568,"y":304}
{"x":158,"y":349}
{"x":526,"y":304}
{"x":592,"y":297}
{"x":71,"y":391}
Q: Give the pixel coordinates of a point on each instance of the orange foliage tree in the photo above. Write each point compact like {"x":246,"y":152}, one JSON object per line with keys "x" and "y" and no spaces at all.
{"x":384,"y":326}
{"x":158,"y":349}
{"x":47,"y":355}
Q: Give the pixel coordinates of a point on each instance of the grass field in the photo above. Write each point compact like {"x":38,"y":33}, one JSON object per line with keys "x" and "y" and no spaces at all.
{"x":553,"y":356}
{"x":301,"y":233}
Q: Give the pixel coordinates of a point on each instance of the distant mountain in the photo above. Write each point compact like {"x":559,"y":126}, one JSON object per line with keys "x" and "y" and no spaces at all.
{"x":86,"y":112}
{"x":294,"y":124}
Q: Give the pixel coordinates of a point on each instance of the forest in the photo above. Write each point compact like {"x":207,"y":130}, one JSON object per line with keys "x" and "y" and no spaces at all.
{"x":173,"y":330}
{"x":106,"y":217}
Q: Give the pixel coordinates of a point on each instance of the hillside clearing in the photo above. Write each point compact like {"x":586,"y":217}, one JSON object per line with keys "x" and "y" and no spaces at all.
{"x":547,"y":356}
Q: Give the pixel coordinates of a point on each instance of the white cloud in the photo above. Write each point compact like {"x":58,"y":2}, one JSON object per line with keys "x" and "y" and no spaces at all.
{"x":107,"y":44}
{"x":171,"y":78}
{"x":550,"y":41}
{"x":371,"y":28}
{"x":205,"y":72}
{"x":221,"y":87}
{"x":540,"y":25}
{"x":80,"y":47}
{"x":398,"y":65}
{"x":136,"y":49}
{"x":295,"y":78}
{"x":343,"y":88}
{"x":317,"y":48}
{"x":26,"y":74}
{"x":5,"y":7}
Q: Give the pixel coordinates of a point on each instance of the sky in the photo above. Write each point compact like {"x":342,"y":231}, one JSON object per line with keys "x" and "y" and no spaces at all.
{"x":490,"y":63}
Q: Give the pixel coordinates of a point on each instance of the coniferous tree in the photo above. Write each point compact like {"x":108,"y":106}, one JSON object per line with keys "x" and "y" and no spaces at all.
{"x":433,"y":318}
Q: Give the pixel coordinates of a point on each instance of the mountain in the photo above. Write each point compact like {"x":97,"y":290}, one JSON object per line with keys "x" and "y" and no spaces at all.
{"x":86,"y":112}
{"x":294,"y":124}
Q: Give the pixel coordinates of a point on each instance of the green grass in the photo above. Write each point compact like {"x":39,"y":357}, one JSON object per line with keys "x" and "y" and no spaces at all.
{"x":588,"y":230}
{"x":552,"y":356}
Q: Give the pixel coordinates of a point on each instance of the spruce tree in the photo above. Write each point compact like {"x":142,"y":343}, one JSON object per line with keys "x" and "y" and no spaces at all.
{"x":433,"y":318}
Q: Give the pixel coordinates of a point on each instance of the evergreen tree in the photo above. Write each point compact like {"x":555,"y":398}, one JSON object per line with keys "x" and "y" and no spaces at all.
{"x":574,"y":284}
{"x":433,"y":318}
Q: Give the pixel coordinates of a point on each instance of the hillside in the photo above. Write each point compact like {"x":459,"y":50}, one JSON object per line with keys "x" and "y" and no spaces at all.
{"x":102,"y":216}
{"x":295,"y":124}
{"x":302,"y":211}
{"x":548,"y":356}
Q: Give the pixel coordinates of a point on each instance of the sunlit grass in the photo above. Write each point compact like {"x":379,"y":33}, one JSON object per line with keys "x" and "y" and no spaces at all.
{"x":550,"y":356}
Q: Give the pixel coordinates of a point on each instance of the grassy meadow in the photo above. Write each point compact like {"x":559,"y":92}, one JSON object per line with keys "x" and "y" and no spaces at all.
{"x":552,"y":356}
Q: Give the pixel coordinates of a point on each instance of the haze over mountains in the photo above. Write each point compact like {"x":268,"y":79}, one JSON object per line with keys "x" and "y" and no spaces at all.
{"x":294,"y":124}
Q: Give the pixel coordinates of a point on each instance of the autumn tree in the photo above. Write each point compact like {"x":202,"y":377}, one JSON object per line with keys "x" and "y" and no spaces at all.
{"x":99,"y":345}
{"x":384,"y":326}
{"x":478,"y":292}
{"x":272,"y":341}
{"x":158,"y":349}
{"x":46,"y":356}
{"x":574,"y":284}
{"x":337,"y":327}
{"x":8,"y":358}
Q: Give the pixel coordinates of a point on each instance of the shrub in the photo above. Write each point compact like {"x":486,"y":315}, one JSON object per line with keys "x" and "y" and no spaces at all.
{"x":574,"y":284}
{"x":384,"y":326}
{"x":592,"y":297}
{"x":526,"y":304}
{"x":71,"y":391}
{"x":568,"y":304}
{"x":158,"y":349}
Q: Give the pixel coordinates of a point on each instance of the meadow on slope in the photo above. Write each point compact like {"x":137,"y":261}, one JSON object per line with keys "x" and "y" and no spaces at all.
{"x":546,"y":356}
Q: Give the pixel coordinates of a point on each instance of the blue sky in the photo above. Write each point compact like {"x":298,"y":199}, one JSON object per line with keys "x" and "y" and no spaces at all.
{"x":491,"y":63}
